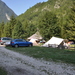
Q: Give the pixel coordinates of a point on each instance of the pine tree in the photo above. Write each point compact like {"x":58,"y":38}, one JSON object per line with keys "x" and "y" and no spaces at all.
{"x":48,"y":25}
{"x":7,"y":30}
{"x":2,"y":29}
{"x":17,"y":31}
{"x":70,"y":27}
{"x":29,"y":29}
{"x":12,"y":24}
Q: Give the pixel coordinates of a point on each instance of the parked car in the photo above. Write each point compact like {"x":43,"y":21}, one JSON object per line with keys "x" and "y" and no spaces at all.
{"x":8,"y":43}
{"x":3,"y":40}
{"x":20,"y":42}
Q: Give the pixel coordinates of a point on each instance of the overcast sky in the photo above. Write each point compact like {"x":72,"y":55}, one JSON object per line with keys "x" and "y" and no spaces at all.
{"x":20,"y":6}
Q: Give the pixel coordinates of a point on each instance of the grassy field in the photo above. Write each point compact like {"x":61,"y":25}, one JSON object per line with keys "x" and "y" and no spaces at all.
{"x":48,"y":54}
{"x":2,"y":71}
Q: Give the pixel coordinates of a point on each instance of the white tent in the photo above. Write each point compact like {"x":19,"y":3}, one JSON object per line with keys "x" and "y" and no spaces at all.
{"x":34,"y":42}
{"x":35,"y":38}
{"x":54,"y":41}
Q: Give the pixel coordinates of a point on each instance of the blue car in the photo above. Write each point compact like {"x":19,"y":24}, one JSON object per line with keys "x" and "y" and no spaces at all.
{"x":20,"y":42}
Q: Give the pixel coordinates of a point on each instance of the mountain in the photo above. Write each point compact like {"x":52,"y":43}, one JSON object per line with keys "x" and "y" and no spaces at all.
{"x":5,"y":12}
{"x":51,"y":18}
{"x":59,"y":7}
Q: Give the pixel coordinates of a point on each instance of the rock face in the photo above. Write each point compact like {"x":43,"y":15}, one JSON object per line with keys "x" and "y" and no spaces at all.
{"x":5,"y":12}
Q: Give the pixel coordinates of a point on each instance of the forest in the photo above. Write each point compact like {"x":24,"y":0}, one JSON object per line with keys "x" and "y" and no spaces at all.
{"x":51,"y":18}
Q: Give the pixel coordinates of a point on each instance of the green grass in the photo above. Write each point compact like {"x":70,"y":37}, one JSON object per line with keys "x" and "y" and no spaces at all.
{"x":47,"y":53}
{"x":2,"y":71}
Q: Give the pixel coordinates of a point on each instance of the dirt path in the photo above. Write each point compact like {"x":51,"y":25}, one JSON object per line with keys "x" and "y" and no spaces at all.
{"x":18,"y":64}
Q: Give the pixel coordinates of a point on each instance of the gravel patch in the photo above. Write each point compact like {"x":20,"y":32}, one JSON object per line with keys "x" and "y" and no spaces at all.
{"x":18,"y":64}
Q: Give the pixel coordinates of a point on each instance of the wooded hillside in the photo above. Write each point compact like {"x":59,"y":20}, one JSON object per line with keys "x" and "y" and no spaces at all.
{"x":51,"y":18}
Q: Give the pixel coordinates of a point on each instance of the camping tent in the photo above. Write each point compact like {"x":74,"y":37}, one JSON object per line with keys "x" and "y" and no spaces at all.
{"x":35,"y":38}
{"x":54,"y":42}
{"x":34,"y":41}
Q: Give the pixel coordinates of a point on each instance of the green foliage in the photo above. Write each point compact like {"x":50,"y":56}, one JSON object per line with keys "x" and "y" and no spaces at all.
{"x":37,"y":17}
{"x":12,"y":24}
{"x":70,"y":27}
{"x":51,"y":18}
{"x":7,"y":30}
{"x":17,"y":31}
{"x":28,"y":28}
{"x":2,"y":29}
{"x":48,"y":25}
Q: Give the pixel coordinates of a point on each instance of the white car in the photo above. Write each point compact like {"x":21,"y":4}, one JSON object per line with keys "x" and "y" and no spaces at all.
{"x":3,"y":40}
{"x":7,"y":43}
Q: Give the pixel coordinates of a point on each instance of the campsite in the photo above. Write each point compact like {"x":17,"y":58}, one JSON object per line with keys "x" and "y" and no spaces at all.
{"x":49,"y":27}
{"x":41,"y":58}
{"x":49,"y":53}
{"x":54,"y":49}
{"x":54,"y":42}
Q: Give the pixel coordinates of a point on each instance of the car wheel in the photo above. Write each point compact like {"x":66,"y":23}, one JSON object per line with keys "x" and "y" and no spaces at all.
{"x":16,"y":46}
{"x":30,"y":45}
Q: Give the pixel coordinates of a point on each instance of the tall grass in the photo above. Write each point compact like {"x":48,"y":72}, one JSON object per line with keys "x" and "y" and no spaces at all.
{"x":47,"y":53}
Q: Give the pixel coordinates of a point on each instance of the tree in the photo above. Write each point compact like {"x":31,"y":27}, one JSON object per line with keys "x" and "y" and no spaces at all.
{"x":12,"y":24}
{"x":18,"y":30}
{"x":2,"y":29}
{"x":70,"y":27}
{"x":29,"y":29}
{"x":48,"y":25}
{"x":7,"y":30}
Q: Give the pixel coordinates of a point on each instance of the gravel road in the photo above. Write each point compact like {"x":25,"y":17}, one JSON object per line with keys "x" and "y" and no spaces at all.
{"x":18,"y":64}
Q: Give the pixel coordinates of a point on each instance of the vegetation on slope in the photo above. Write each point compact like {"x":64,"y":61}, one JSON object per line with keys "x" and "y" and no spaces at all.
{"x":51,"y":18}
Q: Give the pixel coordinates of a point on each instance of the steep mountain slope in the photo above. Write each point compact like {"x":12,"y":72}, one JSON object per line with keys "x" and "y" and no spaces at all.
{"x":5,"y":12}
{"x":59,"y":7}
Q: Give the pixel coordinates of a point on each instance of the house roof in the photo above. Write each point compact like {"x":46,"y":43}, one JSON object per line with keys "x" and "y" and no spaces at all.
{"x":35,"y":36}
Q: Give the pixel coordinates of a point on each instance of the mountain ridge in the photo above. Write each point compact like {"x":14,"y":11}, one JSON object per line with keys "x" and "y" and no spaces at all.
{"x":57,"y":6}
{"x":5,"y":12}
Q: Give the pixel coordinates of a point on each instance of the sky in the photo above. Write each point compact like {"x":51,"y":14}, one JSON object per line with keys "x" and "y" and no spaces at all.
{"x":20,"y":6}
